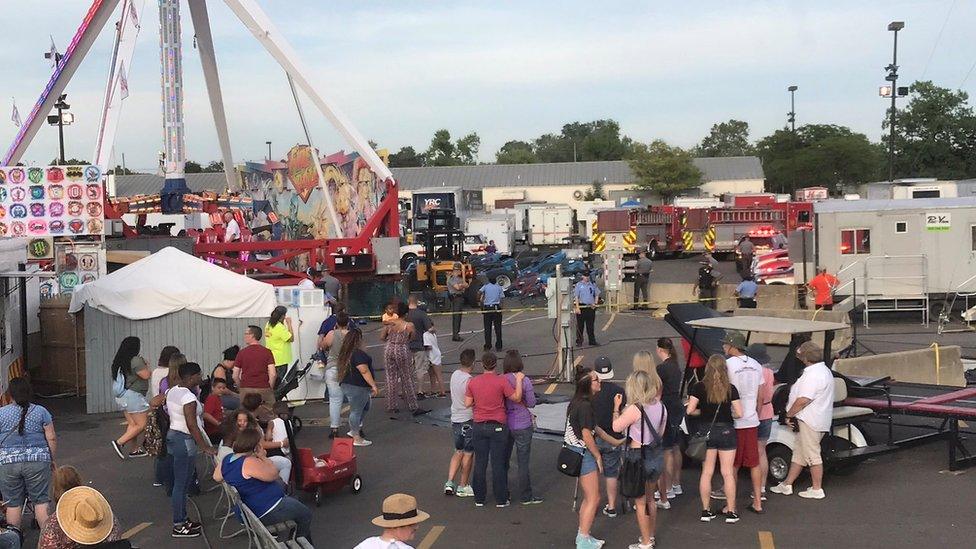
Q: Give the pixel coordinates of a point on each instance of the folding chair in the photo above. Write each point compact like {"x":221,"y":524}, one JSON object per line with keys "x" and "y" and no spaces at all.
{"x":233,"y":500}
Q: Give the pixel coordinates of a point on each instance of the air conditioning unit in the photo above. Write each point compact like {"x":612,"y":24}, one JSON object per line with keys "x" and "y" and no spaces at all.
{"x":308,"y":298}
{"x":286,"y":295}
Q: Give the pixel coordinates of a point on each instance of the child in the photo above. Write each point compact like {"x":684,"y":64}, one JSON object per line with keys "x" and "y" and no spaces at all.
{"x":462,"y":422}
{"x":389,"y":313}
{"x":433,"y":358}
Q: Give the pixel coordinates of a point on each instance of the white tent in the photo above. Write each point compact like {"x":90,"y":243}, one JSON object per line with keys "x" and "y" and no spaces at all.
{"x":169,"y":281}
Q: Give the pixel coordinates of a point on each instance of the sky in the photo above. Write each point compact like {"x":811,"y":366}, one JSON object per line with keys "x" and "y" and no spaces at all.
{"x":402,"y":69}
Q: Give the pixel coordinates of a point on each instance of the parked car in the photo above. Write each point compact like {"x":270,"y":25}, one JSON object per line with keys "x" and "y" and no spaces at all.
{"x":773,"y":268}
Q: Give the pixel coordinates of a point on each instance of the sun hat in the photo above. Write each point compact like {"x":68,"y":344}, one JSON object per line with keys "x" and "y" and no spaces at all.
{"x":400,"y":510}
{"x":85,"y":515}
{"x":603,"y":368}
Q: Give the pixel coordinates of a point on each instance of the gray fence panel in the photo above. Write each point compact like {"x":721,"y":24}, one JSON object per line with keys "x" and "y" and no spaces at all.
{"x":201,"y":338}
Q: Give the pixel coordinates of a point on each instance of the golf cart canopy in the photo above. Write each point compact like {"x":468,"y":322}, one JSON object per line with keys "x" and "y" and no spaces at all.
{"x":766,"y":324}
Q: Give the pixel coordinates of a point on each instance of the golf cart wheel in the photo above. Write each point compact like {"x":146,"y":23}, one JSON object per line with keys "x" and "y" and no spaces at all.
{"x":780,"y":457}
{"x":357,"y":484}
{"x":833,"y":443}
{"x":319,"y":496}
{"x":296,"y":424}
{"x":504,"y":281}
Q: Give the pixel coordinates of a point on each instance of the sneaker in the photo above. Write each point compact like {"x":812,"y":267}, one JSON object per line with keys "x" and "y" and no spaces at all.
{"x":464,"y":492}
{"x":534,"y":500}
{"x":479,"y":504}
{"x":707,"y":516}
{"x":138,"y":453}
{"x":657,"y":494}
{"x":506,"y":503}
{"x":785,"y":489}
{"x":184,"y":531}
{"x":663,"y":504}
{"x":676,"y":489}
{"x":810,"y":493}
{"x":640,"y":545}
{"x":157,"y":484}
{"x":118,"y":449}
{"x":731,"y":517}
{"x":586,"y":542}
{"x":194,"y":525}
{"x":718,"y":494}
{"x":362,"y":442}
{"x":762,"y":496}
{"x":449,"y":488}
{"x":612,"y":513}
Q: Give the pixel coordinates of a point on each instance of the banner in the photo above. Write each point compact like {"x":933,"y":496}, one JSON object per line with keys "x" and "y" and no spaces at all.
{"x":51,"y":201}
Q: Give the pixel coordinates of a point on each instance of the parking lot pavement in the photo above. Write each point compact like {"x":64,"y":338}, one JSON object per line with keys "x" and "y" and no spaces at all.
{"x":905,"y":499}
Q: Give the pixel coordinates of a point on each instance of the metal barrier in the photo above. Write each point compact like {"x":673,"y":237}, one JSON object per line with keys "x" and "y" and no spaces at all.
{"x":884,"y":292}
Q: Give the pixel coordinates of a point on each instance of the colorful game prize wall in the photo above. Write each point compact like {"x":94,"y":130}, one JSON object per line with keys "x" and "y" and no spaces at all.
{"x":51,"y":201}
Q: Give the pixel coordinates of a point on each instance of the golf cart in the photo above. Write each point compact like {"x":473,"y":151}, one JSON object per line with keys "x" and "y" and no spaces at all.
{"x":847,"y":445}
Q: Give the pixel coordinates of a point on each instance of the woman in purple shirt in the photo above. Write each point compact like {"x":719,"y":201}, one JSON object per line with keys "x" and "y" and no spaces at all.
{"x":520,"y":426}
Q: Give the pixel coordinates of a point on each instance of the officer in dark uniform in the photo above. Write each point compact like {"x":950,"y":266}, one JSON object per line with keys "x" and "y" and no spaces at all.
{"x":707,"y":286}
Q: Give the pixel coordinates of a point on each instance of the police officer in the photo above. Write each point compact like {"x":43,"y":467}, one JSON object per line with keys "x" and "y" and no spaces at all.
{"x":746,"y":249}
{"x":586,"y":296}
{"x":456,"y":285}
{"x":746,"y":292}
{"x":642,"y":281}
{"x":490,"y":296}
{"x":706,"y":287}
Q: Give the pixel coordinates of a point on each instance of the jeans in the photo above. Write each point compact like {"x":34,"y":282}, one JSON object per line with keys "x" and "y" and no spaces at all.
{"x":290,"y":508}
{"x":335,"y":396}
{"x":490,"y":440}
{"x":492,"y":319}
{"x":457,"y":305}
{"x":358,"y":401}
{"x":521,"y":441}
{"x":183,"y":450}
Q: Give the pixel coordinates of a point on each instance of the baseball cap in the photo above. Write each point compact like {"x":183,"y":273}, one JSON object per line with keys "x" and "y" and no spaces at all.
{"x":735,"y":339}
{"x":603,"y":368}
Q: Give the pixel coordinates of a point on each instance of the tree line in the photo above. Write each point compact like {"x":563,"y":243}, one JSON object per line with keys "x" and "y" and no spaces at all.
{"x":935,"y":137}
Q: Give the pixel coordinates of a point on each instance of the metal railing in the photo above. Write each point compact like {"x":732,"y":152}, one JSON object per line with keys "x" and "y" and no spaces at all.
{"x":883,"y":297}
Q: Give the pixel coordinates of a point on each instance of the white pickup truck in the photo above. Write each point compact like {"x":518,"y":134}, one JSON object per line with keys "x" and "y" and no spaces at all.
{"x":473,"y":244}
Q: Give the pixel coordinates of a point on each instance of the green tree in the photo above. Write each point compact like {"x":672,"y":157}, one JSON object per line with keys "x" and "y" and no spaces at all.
{"x":595,"y":192}
{"x":215,"y":166}
{"x":584,"y":141}
{"x":935,"y":134}
{"x":516,"y":152}
{"x":69,"y":162}
{"x":119,"y":170}
{"x":820,"y":155}
{"x":726,"y":139}
{"x":192,"y":167}
{"x":406,"y":157}
{"x":444,"y":152}
{"x":663,"y":169}
{"x":467,"y":149}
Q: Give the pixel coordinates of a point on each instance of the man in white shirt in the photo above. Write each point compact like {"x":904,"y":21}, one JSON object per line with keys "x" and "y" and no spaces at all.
{"x":399,"y":521}
{"x":810,"y":410}
{"x":746,"y":375}
{"x":232,"y":230}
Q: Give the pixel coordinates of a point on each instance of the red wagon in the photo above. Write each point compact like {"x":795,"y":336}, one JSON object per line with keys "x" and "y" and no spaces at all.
{"x":330,"y":472}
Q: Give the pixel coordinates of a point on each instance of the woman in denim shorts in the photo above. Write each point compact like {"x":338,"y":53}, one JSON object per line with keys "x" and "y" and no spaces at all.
{"x":579,"y":437}
{"x":133,"y":403}
{"x":715,"y":401}
{"x":26,"y":453}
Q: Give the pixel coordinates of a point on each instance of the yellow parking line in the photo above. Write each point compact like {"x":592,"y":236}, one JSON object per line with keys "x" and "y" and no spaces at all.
{"x":613,"y":317}
{"x":513,"y":316}
{"x":431,"y":537}
{"x":578,"y":360}
{"x":766,"y":540}
{"x":550,"y":388}
{"x":136,"y":529}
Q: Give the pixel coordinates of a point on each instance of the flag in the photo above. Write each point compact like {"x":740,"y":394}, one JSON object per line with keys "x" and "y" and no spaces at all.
{"x":15,"y":116}
{"x":133,"y":14}
{"x":53,"y":54}
{"x":123,"y":83}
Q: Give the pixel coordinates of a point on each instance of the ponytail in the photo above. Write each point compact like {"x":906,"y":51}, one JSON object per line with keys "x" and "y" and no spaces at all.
{"x":20,"y":391}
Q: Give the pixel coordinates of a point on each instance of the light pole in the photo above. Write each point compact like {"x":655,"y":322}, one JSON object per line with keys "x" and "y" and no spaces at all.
{"x":791,"y":118}
{"x":892,"y":77}
{"x":268,"y":143}
{"x":61,"y":120}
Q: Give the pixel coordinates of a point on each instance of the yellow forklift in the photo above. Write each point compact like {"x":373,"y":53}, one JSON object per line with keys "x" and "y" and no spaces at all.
{"x":437,"y":229}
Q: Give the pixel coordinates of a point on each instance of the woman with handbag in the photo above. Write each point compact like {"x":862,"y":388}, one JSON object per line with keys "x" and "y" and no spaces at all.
{"x":645,"y":420}
{"x":715,"y":397}
{"x":581,"y":455}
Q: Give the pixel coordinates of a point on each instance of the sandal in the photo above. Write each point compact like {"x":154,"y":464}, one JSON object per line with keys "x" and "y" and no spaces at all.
{"x":751,"y":508}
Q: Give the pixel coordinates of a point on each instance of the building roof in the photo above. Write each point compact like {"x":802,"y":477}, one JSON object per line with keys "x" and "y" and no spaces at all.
{"x":834,"y":206}
{"x":485,"y":175}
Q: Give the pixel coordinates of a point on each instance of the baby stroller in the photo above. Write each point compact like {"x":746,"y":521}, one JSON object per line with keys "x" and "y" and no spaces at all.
{"x":288,"y":383}
{"x":330,"y":472}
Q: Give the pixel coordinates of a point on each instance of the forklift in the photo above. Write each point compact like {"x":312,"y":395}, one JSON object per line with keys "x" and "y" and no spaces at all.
{"x":438,"y":230}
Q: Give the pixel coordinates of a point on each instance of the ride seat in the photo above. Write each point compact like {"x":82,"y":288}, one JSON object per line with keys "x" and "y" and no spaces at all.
{"x":847,"y":414}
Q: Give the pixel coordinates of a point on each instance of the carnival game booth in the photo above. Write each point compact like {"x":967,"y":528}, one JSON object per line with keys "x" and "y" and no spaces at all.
{"x":168,"y":298}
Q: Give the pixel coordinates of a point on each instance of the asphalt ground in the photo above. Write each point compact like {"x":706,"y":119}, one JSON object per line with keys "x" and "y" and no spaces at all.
{"x":904,"y":499}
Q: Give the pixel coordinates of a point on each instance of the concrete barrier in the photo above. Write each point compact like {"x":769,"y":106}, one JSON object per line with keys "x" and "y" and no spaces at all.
{"x":918,"y":366}
{"x":842,"y":338}
{"x":776,"y":296}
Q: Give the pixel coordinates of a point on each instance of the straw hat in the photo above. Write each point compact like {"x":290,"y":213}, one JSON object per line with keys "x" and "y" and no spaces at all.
{"x":400,"y":510}
{"x":85,"y":515}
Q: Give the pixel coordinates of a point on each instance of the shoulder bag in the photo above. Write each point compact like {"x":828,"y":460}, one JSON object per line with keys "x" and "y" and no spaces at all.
{"x":632,"y":476}
{"x":569,"y":462}
{"x":698,"y":444}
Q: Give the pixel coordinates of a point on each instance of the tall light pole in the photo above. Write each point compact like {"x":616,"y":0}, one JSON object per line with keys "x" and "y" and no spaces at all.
{"x":892,"y":77}
{"x":268,"y":143}
{"x":791,"y":118}
{"x":61,"y":120}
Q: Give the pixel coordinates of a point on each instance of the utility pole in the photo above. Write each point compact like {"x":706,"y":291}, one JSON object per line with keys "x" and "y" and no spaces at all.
{"x":892,"y":77}
{"x":791,"y":118}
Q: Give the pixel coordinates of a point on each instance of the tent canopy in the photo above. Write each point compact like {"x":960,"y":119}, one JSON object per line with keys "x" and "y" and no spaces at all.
{"x":169,"y":281}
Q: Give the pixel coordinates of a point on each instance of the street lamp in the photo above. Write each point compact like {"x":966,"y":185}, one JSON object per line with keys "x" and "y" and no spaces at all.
{"x":892,"y":77}
{"x":61,"y":120}
{"x":791,"y":118}
{"x":268,"y":143}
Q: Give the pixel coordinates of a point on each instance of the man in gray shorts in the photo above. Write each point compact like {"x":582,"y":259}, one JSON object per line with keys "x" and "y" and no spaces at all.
{"x":609,"y":442}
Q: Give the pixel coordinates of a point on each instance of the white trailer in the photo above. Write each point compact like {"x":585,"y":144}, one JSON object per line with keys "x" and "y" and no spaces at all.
{"x":586,"y":215}
{"x":498,"y":227}
{"x":898,"y":253}
{"x":548,"y":224}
